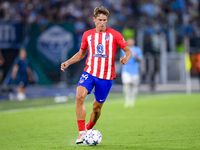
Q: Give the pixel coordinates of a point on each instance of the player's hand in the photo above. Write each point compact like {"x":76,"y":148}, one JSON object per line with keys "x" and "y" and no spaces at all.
{"x":134,"y":55}
{"x":64,"y":65}
{"x":123,"y":60}
{"x":31,"y":79}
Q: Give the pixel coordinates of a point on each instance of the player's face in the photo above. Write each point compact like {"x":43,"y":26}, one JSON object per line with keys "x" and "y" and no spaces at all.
{"x":100,"y":22}
{"x":22,"y":54}
{"x":130,"y":42}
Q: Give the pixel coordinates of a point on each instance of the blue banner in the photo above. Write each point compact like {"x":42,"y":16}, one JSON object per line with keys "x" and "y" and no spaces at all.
{"x":10,"y":34}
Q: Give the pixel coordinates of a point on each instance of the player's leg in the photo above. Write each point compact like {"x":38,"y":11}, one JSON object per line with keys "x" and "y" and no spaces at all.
{"x":96,"y":111}
{"x":126,"y":80}
{"x":21,"y":91}
{"x":127,"y":94}
{"x":84,"y":87}
{"x":95,"y":114}
{"x":134,"y":90}
{"x":102,"y":88}
{"x":81,"y":93}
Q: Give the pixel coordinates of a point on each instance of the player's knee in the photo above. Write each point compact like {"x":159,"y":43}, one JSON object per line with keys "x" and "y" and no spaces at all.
{"x":80,"y":98}
{"x":97,"y":109}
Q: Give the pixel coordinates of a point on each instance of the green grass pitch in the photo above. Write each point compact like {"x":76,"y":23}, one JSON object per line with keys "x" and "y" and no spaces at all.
{"x":157,"y":122}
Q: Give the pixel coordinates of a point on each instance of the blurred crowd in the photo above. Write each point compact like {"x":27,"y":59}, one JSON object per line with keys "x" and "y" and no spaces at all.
{"x":154,"y":15}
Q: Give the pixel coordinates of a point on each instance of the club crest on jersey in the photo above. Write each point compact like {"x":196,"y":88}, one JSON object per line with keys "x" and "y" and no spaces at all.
{"x":107,"y":38}
{"x":100,"y":50}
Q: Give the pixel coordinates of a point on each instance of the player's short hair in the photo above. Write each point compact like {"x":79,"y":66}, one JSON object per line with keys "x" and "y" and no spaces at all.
{"x":100,"y":10}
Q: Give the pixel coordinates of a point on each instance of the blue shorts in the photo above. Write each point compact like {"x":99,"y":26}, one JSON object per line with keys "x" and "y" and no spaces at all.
{"x":23,"y":81}
{"x":102,"y":87}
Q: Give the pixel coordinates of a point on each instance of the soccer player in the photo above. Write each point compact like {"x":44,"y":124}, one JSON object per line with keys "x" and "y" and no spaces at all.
{"x":24,"y":72}
{"x":99,"y":70}
{"x":130,"y":73}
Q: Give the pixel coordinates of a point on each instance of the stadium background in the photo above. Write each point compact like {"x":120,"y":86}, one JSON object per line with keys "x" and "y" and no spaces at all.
{"x":51,"y":32}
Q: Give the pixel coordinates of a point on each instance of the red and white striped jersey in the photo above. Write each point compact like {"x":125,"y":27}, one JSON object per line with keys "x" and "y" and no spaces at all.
{"x":102,"y":47}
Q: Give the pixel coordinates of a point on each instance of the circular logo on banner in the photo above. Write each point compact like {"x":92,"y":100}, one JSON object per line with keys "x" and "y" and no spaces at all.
{"x":99,"y":48}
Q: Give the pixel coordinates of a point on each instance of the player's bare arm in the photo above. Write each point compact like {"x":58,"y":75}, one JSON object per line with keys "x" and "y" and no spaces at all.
{"x":128,"y":55}
{"x":76,"y":58}
{"x":14,"y":71}
{"x":30,"y":74}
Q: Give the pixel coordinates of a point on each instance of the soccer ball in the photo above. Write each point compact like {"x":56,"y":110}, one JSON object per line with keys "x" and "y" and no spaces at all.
{"x":93,"y":137}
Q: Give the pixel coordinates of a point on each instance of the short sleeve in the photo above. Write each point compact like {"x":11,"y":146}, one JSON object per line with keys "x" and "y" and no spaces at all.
{"x":120,"y":40}
{"x":139,"y":53}
{"x":84,"y":43}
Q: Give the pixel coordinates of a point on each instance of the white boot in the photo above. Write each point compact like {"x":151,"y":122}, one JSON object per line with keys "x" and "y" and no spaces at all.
{"x":81,"y":137}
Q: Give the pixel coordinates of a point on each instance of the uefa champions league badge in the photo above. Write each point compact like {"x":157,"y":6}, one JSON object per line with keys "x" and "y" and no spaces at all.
{"x":100,"y":51}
